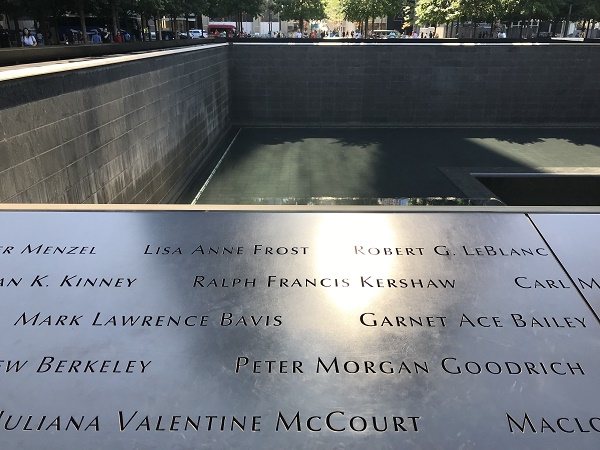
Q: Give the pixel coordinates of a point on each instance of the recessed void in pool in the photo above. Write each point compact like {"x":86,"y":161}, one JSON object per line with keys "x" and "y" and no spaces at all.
{"x":544,"y":189}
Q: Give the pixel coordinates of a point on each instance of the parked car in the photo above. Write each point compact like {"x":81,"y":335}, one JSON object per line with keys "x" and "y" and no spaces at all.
{"x":385,"y":34}
{"x":167,"y":35}
{"x":196,"y":33}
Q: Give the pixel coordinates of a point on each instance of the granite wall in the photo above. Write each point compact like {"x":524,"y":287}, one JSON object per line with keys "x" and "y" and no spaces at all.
{"x":406,"y":84}
{"x":132,"y":132}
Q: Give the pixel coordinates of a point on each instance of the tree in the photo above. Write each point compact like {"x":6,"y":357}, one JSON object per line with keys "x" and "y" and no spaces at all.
{"x":14,"y":9}
{"x":41,"y":10}
{"x":356,"y":11}
{"x":433,"y":11}
{"x":334,"y":10}
{"x":363,"y":10}
{"x":193,"y":8}
{"x":441,"y":11}
{"x":392,"y":7}
{"x":147,"y":9}
{"x":237,"y":8}
{"x":80,"y":7}
{"x":301,"y":10}
{"x":112,"y":9}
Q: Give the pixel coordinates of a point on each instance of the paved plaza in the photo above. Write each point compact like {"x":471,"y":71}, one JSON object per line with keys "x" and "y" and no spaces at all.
{"x":357,"y":165}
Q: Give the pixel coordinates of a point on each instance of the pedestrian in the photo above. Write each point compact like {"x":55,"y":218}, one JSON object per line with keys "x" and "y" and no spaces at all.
{"x":105,"y":36}
{"x":4,"y":38}
{"x":28,"y":39}
{"x":96,"y":39}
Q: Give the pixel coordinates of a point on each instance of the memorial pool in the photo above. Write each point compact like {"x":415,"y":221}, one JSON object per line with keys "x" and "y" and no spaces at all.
{"x":387,"y":165}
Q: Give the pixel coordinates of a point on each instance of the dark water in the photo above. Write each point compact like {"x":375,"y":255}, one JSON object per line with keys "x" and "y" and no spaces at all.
{"x":387,"y":166}
{"x":579,"y":190}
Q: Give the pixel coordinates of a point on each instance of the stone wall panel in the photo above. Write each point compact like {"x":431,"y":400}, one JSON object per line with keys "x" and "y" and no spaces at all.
{"x":433,"y":84}
{"x":105,"y":134}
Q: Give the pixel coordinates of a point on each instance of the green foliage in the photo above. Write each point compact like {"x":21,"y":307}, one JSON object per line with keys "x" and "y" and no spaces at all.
{"x":334,"y":10}
{"x":146,"y":7}
{"x":182,"y":8}
{"x":222,"y":8}
{"x":358,"y":10}
{"x":13,"y":7}
{"x":435,"y":11}
{"x":581,"y":9}
{"x":427,"y":11}
{"x":532,"y":9}
{"x":300,"y":9}
{"x":442,"y":11}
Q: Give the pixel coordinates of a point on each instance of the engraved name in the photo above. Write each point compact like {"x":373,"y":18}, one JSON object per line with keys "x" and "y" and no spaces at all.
{"x":55,"y":365}
{"x":371,"y":319}
{"x":449,"y":365}
{"x":444,"y":250}
{"x":233,"y":250}
{"x":69,"y":281}
{"x":101,"y":319}
{"x":339,"y":421}
{"x":11,"y":422}
{"x":566,"y":425}
{"x":42,"y":249}
{"x":139,"y":422}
